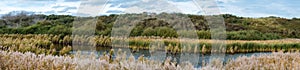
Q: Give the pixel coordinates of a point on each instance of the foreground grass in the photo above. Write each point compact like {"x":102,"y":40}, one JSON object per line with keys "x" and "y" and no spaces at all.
{"x":275,"y":61}
{"x":30,"y":61}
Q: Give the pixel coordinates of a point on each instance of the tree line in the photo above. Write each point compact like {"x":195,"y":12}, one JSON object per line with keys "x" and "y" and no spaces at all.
{"x":237,"y":28}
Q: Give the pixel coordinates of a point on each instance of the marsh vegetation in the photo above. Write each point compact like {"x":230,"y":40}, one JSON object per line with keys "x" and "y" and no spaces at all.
{"x":47,"y":43}
{"x":39,"y":41}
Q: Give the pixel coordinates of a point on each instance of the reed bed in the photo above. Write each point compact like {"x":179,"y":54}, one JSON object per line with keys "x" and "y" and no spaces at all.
{"x":39,"y":43}
{"x":46,"y":42}
{"x":232,"y":46}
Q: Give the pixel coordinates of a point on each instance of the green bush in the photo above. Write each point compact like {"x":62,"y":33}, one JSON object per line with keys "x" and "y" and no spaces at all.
{"x":60,"y":29}
{"x":204,"y":34}
{"x":251,"y":35}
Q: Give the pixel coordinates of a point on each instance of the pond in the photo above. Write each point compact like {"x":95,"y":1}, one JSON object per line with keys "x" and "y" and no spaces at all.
{"x":161,"y":56}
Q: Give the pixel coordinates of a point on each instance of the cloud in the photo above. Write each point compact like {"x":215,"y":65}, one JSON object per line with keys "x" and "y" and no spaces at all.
{"x":50,"y":12}
{"x":115,"y":11}
{"x":58,"y":6}
{"x":182,"y":6}
{"x":226,"y":1}
{"x":180,"y":0}
{"x":1,"y":15}
{"x":71,"y":0}
{"x":94,"y":2}
{"x":92,"y":7}
{"x":215,"y":6}
{"x":187,"y":7}
{"x":282,"y":9}
{"x":67,"y":9}
{"x":41,"y":7}
{"x":262,"y":8}
{"x":254,"y":8}
{"x":156,"y":6}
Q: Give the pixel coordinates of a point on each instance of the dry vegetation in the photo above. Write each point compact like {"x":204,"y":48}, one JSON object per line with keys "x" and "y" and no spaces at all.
{"x":40,"y":44}
{"x":25,"y":61}
{"x":275,"y":61}
{"x":29,"y":61}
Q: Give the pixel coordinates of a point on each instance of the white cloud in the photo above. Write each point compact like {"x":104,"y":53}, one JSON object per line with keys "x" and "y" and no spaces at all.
{"x":187,"y":7}
{"x":152,"y":6}
{"x":255,"y":8}
{"x":37,"y":6}
{"x":92,"y":8}
{"x":227,"y":1}
{"x":259,"y":9}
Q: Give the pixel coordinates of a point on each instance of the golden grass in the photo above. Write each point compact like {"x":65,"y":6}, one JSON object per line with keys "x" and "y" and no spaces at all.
{"x":29,"y":61}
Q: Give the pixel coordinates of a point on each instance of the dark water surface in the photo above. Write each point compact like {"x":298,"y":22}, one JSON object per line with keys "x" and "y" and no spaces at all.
{"x":202,"y":58}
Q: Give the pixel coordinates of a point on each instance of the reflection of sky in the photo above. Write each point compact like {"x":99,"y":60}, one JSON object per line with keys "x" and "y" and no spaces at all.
{"x":253,"y":8}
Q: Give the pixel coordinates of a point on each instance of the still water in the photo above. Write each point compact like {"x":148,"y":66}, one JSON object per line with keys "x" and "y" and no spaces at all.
{"x":197,"y":58}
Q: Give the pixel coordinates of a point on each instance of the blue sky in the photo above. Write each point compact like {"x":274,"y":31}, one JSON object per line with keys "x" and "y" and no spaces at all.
{"x":246,"y":8}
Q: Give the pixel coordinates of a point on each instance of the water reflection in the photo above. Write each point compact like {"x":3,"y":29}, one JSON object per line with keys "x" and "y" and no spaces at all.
{"x":203,"y":58}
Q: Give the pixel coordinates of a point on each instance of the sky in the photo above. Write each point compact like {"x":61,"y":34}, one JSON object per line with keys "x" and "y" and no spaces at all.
{"x":244,"y":8}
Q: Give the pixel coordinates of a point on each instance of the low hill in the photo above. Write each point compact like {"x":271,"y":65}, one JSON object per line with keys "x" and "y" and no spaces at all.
{"x":237,"y":28}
